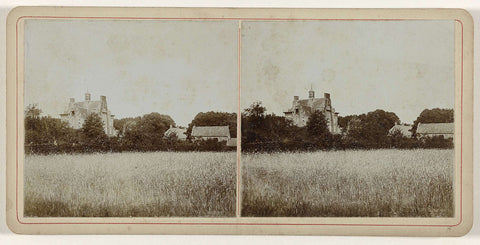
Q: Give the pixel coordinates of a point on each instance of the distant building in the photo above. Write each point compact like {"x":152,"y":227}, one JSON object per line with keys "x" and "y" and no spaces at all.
{"x":221,"y":133}
{"x":302,"y":109}
{"x":76,"y":113}
{"x":178,"y":132}
{"x":447,"y":130}
{"x":232,"y":142}
{"x":404,"y":129}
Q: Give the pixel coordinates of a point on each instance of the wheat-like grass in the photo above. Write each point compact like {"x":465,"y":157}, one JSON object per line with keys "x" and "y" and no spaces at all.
{"x":376,"y":183}
{"x":194,"y":184}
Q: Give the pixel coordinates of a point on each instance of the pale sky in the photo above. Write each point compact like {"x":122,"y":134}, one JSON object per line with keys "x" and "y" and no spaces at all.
{"x":398,"y":66}
{"x":180,"y":68}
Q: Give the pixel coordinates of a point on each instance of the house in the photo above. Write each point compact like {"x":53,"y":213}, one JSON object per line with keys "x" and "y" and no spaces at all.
{"x":232,"y":142}
{"x":404,"y":129}
{"x":221,"y":133}
{"x":76,"y":113}
{"x":178,"y":132}
{"x":302,"y":109}
{"x":447,"y":130}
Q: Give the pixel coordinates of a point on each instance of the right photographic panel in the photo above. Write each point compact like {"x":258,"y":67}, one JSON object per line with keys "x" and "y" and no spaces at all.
{"x":350,"y":118}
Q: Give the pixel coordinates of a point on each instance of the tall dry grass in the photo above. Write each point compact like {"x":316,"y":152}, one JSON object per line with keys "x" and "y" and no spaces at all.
{"x":194,"y":184}
{"x":376,"y":183}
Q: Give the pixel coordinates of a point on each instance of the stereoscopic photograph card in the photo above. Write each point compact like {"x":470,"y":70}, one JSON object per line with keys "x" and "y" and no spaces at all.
{"x":239,"y":121}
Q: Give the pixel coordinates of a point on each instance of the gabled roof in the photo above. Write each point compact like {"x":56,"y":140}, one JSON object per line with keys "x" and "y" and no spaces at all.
{"x":308,"y":104}
{"x":85,"y":107}
{"x":317,"y":103}
{"x":179,"y":132}
{"x":404,"y":129}
{"x":436,"y":128}
{"x":210,"y":131}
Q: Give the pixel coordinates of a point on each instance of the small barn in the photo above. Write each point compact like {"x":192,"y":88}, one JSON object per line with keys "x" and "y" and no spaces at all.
{"x":232,"y":142}
{"x":178,"y":132}
{"x":404,"y":129}
{"x":447,"y":130}
{"x":221,"y":133}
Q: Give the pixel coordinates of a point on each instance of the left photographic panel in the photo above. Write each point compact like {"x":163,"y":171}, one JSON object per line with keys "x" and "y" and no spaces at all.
{"x":130,"y":118}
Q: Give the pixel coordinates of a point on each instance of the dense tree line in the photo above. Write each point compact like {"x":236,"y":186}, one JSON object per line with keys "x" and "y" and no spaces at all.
{"x":45,"y":135}
{"x":261,"y":131}
{"x":267,"y":132}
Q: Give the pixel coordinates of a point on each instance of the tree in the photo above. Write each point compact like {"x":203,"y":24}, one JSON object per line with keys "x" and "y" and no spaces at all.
{"x":435,"y":115}
{"x":124,"y":124}
{"x":269,"y":132}
{"x":213,"y":118}
{"x":94,"y":137}
{"x":317,"y":128}
{"x":254,"y":124}
{"x":370,"y":130}
{"x":256,"y":110}
{"x":146,"y":133}
{"x":46,"y":134}
{"x":343,"y":122}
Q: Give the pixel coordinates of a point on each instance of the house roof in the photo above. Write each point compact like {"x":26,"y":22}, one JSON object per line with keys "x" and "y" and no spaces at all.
{"x":308,"y":104}
{"x":317,"y":103}
{"x":436,"y":128}
{"x":210,"y":131}
{"x":404,"y":129}
{"x":179,"y":132}
{"x":85,"y":108}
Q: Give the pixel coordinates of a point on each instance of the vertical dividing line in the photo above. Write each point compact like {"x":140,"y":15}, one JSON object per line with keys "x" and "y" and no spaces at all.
{"x":239,"y":121}
{"x":461,"y":136}
{"x":16,"y":120}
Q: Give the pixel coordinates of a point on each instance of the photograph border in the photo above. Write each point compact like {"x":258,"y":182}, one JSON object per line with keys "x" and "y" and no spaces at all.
{"x":458,"y":225}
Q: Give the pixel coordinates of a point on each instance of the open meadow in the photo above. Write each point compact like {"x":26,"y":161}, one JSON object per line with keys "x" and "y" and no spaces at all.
{"x":373,"y":183}
{"x":156,"y":184}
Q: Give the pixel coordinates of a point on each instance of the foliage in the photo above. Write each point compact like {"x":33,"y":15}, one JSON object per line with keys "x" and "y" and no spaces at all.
{"x":44,"y":133}
{"x":438,"y":142}
{"x":93,"y":134}
{"x":343,"y":122}
{"x":125,"y":124}
{"x":317,"y":129}
{"x":370,"y":130}
{"x":261,"y":132}
{"x":145,"y":133}
{"x":400,"y":141}
{"x":269,"y":132}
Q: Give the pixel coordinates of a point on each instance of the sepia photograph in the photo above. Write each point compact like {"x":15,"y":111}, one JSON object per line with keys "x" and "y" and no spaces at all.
{"x":239,"y":121}
{"x":130,"y":118}
{"x":348,"y":118}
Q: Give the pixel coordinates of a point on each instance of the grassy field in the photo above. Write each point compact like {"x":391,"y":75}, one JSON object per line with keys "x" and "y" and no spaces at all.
{"x":376,"y":183}
{"x":131,"y":184}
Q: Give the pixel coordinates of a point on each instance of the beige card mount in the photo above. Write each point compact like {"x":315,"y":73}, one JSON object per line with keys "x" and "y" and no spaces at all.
{"x":239,"y":121}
